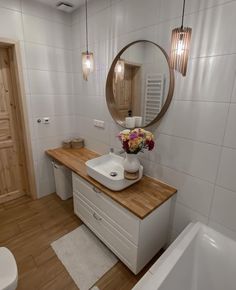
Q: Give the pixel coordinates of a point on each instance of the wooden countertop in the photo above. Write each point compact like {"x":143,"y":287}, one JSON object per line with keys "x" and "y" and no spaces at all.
{"x":140,"y":198}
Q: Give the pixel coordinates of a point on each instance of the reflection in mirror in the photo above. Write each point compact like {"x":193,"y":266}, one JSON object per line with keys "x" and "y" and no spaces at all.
{"x":140,"y":84}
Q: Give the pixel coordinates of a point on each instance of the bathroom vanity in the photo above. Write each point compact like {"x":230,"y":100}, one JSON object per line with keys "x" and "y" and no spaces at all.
{"x":133,"y":223}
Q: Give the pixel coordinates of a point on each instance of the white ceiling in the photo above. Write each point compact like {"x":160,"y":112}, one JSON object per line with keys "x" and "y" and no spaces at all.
{"x":53,"y":3}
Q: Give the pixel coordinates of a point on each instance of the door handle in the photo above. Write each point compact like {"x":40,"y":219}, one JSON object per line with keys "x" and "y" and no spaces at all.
{"x":96,"y":190}
{"x":96,"y":217}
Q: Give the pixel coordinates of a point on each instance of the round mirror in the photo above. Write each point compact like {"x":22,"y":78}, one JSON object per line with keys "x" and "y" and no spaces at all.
{"x":140,"y":84}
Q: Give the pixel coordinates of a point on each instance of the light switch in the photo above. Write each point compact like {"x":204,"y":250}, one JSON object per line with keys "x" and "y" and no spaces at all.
{"x":46,"y":120}
{"x":99,"y":123}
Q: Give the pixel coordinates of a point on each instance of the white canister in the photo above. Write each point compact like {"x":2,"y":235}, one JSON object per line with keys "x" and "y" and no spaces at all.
{"x":130,"y":122}
{"x":138,"y":121}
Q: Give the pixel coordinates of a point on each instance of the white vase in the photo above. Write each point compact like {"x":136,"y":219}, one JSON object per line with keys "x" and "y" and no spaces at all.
{"x":131,"y":163}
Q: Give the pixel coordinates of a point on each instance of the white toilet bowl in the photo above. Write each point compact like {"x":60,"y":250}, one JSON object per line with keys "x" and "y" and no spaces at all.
{"x":8,"y":270}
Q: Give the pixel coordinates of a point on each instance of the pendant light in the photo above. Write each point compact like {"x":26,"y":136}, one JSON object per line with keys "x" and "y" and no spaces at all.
{"x":87,"y":57}
{"x":120,"y":70}
{"x":180,"y":44}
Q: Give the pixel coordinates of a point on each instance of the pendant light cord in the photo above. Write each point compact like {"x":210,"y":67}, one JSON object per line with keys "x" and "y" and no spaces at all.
{"x":86,"y":15}
{"x":182,"y":23}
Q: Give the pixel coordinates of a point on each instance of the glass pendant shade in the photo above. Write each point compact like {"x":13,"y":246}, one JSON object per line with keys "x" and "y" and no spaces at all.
{"x":180,"y":45}
{"x":119,"y":70}
{"x":87,"y":64}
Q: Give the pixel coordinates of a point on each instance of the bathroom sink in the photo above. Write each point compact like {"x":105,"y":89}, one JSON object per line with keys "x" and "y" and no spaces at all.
{"x":109,"y":171}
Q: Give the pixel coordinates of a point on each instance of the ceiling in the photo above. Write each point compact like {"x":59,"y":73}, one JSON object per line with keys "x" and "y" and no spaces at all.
{"x":53,"y":3}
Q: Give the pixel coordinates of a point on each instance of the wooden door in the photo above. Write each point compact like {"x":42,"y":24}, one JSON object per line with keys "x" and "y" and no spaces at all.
{"x":127,"y":91}
{"x":12,"y":180}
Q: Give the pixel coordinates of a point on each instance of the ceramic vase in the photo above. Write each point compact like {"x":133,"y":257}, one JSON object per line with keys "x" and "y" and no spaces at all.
{"x":131,"y":163}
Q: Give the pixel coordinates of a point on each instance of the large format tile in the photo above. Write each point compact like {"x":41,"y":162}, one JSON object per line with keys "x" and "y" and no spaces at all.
{"x":12,"y":4}
{"x":194,"y":158}
{"x":193,"y":192}
{"x":183,"y":216}
{"x":206,"y":80}
{"x":45,"y":82}
{"x":209,"y":27}
{"x":10,"y":24}
{"x":42,"y":31}
{"x":43,"y":57}
{"x":223,"y":208}
{"x":200,"y":121}
{"x":230,"y":136}
{"x":227,"y":169}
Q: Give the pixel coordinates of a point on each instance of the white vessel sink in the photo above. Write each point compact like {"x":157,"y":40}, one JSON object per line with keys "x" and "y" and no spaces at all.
{"x":109,"y":171}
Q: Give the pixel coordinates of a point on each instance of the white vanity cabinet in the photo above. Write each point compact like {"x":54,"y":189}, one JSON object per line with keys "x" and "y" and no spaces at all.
{"x":133,"y":240}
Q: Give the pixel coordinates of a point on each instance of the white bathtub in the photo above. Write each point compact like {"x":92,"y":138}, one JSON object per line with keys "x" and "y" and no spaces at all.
{"x":199,"y":259}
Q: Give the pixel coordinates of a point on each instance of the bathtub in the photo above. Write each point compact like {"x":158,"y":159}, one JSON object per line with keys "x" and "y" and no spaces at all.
{"x":199,"y":259}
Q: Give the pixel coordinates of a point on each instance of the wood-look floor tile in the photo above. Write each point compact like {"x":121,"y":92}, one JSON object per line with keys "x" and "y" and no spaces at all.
{"x":44,"y":256}
{"x":28,"y":227}
{"x":8,"y":230}
{"x":26,"y":266}
{"x":60,"y":282}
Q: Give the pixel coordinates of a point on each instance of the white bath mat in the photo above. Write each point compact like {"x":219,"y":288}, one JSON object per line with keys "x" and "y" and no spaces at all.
{"x":85,"y":257}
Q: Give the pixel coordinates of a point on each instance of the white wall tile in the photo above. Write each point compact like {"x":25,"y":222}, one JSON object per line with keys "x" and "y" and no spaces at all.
{"x":42,"y":105}
{"x":42,"y":31}
{"x":233,"y":99}
{"x":223,"y":230}
{"x":183,"y":216}
{"x":48,"y":58}
{"x":223,"y":208}
{"x":201,"y":121}
{"x":12,"y":4}
{"x":193,"y":192}
{"x":227,"y":169}
{"x":194,"y":158}
{"x":230,"y":136}
{"x":202,"y":73}
{"x":10,"y":24}
{"x":134,"y":13}
{"x":209,"y":26}
{"x":45,"y":82}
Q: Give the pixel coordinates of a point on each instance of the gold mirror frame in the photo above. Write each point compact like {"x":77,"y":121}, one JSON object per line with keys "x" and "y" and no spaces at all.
{"x":110,"y":98}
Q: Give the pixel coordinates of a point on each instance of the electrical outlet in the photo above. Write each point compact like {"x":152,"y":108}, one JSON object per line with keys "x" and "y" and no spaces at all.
{"x":99,"y":123}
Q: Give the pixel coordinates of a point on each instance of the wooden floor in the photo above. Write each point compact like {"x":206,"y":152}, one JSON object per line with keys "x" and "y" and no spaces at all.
{"x":28,"y":227}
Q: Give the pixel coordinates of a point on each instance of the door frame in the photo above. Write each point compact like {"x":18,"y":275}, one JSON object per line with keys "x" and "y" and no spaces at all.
{"x":20,"y":96}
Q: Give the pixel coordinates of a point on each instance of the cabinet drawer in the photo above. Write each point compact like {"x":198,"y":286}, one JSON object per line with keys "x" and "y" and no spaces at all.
{"x":124,"y":221}
{"x":122,"y":247}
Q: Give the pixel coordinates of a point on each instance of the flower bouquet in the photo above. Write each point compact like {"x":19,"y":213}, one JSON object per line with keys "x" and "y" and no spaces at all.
{"x":136,"y":140}
{"x":133,"y":142}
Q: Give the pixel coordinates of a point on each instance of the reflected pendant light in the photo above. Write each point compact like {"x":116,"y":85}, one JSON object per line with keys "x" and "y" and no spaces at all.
{"x":180,"y":44}
{"x":120,"y":70}
{"x":87,"y":57}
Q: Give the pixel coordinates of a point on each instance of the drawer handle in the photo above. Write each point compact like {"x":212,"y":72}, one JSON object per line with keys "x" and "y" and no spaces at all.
{"x":96,"y":217}
{"x":96,"y":190}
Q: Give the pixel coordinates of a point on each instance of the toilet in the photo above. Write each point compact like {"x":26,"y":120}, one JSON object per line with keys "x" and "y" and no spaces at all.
{"x":8,"y":270}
